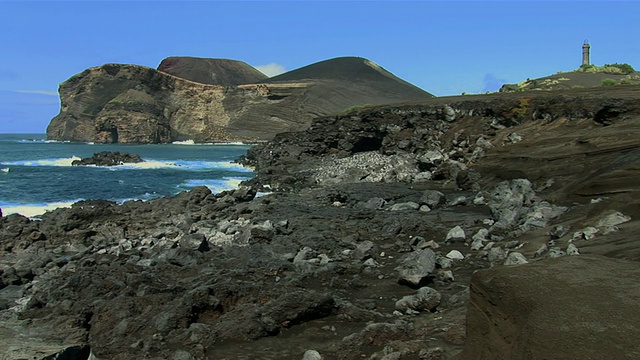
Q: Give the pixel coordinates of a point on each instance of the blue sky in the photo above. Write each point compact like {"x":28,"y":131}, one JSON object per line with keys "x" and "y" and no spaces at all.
{"x":445,"y":48}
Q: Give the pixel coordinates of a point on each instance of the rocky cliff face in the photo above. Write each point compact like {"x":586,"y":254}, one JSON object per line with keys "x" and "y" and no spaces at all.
{"x":134,"y":104}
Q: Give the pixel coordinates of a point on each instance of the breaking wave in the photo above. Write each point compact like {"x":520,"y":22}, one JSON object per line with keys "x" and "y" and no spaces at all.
{"x":189,"y":165}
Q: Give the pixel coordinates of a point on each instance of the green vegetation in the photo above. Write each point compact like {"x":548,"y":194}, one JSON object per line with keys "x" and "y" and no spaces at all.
{"x":356,"y":108}
{"x":609,"y":82}
{"x":523,"y":106}
{"x":613,"y":69}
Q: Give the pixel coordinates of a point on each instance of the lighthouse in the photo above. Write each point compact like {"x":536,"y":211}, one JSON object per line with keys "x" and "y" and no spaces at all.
{"x":585,"y":53}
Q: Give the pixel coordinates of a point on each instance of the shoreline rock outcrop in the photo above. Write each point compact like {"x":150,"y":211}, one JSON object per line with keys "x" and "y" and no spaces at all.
{"x":359,"y":237}
{"x":108,"y":158}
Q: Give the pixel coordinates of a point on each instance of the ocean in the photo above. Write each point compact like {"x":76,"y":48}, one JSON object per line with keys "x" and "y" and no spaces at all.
{"x":36,"y":175}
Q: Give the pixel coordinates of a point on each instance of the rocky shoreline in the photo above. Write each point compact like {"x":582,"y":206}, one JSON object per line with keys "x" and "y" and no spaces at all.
{"x":360,"y":237}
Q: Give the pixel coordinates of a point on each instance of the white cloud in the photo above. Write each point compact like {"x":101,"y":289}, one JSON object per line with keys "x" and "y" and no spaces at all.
{"x":39,"y":92}
{"x":272,"y":69}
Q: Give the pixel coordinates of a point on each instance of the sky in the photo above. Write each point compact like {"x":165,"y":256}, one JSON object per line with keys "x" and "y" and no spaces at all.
{"x":443,"y":47}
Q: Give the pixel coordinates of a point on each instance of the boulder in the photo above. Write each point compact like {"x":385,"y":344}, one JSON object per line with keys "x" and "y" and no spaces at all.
{"x":455,"y":234}
{"x":432,"y":198}
{"x":508,"y":202}
{"x":416,"y":267}
{"x":426,"y":299}
{"x":521,"y":312}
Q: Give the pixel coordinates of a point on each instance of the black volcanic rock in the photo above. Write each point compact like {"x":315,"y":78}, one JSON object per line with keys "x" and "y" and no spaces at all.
{"x":201,"y":275}
{"x":134,"y":104}
{"x":108,"y":158}
{"x":223,"y":72}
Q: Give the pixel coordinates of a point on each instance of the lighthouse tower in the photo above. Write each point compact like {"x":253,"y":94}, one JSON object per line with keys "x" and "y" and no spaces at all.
{"x":585,"y":53}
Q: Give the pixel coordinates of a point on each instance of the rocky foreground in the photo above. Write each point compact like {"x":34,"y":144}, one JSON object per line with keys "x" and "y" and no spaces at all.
{"x":476,"y":227}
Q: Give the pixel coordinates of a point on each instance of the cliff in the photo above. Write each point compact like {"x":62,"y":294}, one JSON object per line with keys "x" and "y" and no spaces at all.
{"x":135,"y":104}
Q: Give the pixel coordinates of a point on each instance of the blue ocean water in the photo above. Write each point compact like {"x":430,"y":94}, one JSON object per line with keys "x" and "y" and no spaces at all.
{"x":36,"y":175}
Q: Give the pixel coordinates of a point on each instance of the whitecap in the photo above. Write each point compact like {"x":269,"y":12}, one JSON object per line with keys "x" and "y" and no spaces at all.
{"x":215,"y":185}
{"x":189,"y":165}
{"x":184,"y":142}
{"x":44,"y":162}
{"x":31,"y":210}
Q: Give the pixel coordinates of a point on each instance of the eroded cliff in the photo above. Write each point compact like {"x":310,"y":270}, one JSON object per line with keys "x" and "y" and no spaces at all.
{"x":135,"y":104}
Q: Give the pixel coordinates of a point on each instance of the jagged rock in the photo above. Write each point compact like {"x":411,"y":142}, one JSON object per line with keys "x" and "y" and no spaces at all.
{"x":455,"y":255}
{"x":572,"y":250}
{"x":496,"y":255}
{"x":432,"y":198}
{"x":197,"y":242}
{"x":587,"y":233}
{"x":609,"y":223}
{"x":514,"y":138}
{"x":426,"y":299}
{"x":541,"y":250}
{"x":559,"y":231}
{"x":416,"y":267}
{"x":405,"y":206}
{"x":375,"y":203}
{"x":431,"y":159}
{"x":508,"y":201}
{"x":456,"y":234}
{"x":108,"y":158}
{"x":503,"y":322}
{"x":478,"y":239}
{"x":515,"y":258}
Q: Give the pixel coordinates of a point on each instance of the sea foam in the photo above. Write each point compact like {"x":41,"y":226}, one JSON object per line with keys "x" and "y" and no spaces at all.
{"x":215,"y":185}
{"x":32,"y":210}
{"x":188,"y":165}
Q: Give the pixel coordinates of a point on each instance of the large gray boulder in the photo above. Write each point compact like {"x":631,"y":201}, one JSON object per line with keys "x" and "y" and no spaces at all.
{"x":416,"y":267}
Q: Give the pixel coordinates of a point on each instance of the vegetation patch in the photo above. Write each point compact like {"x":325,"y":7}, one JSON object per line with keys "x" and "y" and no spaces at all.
{"x":520,"y":111}
{"x":613,"y":69}
{"x":356,"y":108}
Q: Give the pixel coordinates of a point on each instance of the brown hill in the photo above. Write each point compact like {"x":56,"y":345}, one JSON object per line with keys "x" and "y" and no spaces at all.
{"x":223,"y":72}
{"x":135,"y":104}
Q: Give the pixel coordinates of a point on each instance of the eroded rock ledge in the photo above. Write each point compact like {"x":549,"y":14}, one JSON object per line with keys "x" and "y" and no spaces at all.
{"x":573,"y":307}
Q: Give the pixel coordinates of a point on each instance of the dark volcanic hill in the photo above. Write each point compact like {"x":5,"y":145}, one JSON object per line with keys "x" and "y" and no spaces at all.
{"x":223,"y":72}
{"x":353,"y":69}
{"x":135,"y":104}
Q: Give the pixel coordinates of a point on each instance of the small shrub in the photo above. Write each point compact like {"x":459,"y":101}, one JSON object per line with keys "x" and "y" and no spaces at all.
{"x":608,"y":82}
{"x":624,"y":68}
{"x":613,"y":69}
{"x":356,"y":108}
{"x":523,"y":105}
